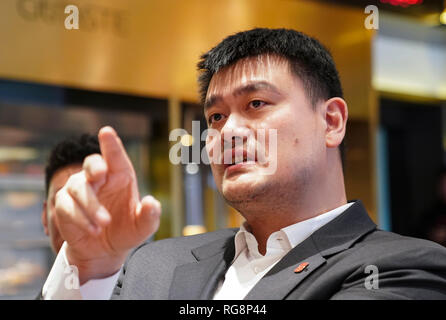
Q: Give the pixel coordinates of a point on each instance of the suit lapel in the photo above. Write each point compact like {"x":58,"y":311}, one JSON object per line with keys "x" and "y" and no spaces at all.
{"x":282,"y":279}
{"x":337,"y":235}
{"x":198,"y":280}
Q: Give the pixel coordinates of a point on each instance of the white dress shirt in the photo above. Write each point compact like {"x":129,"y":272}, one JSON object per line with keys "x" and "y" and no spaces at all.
{"x":247,"y":268}
{"x":63,"y":282}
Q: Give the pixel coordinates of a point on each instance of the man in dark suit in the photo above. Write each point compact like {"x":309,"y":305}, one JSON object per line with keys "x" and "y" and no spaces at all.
{"x":301,"y":238}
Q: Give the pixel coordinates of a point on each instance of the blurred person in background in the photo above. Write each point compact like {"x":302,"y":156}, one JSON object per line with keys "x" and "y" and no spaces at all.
{"x":65,"y":159}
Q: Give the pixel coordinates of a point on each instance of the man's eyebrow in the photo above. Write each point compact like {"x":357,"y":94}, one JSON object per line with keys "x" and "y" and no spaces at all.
{"x":255,"y":86}
{"x":248,"y":88}
{"x":211,"y":101}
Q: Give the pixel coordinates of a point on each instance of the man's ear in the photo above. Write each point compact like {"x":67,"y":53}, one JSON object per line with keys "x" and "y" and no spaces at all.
{"x":336,"y":114}
{"x":45,"y":218}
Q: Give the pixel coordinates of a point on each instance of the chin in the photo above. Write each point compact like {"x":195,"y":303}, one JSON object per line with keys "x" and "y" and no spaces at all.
{"x":242,"y":189}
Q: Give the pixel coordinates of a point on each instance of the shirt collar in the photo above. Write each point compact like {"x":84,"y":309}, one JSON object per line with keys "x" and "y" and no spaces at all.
{"x":286,"y":238}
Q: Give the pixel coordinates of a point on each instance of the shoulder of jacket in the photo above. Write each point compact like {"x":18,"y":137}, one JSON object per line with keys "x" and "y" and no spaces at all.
{"x":180,"y":244}
{"x":383,"y":245}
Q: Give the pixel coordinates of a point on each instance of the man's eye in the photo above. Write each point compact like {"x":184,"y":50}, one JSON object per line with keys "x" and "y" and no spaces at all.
{"x":257,"y":104}
{"x":215,"y":117}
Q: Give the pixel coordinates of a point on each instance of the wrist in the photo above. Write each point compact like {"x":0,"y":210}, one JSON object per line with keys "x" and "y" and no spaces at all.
{"x":95,"y":268}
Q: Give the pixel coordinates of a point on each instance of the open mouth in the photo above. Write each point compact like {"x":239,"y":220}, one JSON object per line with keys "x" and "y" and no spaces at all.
{"x":234,"y":158}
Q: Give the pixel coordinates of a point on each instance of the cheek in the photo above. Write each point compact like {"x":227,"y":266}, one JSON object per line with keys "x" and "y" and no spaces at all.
{"x":52,"y":221}
{"x":294,"y":145}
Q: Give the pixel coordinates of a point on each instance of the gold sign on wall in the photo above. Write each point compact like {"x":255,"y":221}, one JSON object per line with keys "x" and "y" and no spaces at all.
{"x":151,"y":47}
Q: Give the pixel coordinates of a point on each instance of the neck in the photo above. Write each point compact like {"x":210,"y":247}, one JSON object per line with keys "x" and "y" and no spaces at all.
{"x":270,"y":215}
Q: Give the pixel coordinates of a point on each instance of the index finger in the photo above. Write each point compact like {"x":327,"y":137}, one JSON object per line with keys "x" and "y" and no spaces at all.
{"x":113,"y":150}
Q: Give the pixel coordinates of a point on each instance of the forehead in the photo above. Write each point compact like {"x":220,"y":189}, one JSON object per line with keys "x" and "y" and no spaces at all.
{"x":61,"y":176}
{"x":270,"y":68}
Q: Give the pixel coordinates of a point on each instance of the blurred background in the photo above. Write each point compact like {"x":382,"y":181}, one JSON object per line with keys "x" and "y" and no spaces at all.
{"x":132,"y":64}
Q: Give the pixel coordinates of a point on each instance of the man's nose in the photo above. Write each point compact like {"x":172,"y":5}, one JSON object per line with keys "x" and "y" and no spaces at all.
{"x":235,"y":130}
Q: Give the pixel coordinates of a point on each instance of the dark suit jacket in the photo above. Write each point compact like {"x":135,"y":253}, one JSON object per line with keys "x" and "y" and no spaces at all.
{"x":338,"y":254}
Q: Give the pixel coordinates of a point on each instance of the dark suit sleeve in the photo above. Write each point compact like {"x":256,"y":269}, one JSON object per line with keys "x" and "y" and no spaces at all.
{"x":118,"y":287}
{"x":413,"y":269}
{"x":116,"y":294}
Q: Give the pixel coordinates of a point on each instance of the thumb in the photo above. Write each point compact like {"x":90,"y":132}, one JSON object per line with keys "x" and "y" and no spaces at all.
{"x":148,"y":215}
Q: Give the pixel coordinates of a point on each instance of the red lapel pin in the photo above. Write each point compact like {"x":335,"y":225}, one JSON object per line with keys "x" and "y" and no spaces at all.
{"x":301,"y":267}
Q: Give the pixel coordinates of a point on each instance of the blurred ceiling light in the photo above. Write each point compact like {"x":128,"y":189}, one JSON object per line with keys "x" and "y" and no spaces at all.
{"x":191,"y":230}
{"x":443,"y":17}
{"x":17,"y":153}
{"x":187,"y":140}
{"x":443,"y":14}
{"x":192,"y":168}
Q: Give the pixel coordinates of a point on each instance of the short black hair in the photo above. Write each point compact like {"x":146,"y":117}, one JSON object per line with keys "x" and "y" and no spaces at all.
{"x":72,"y":150}
{"x":309,"y":60}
